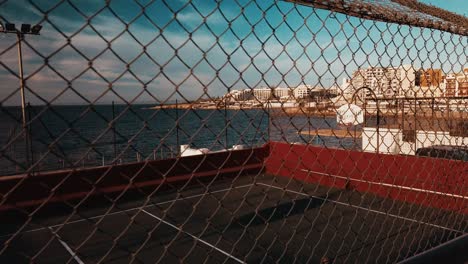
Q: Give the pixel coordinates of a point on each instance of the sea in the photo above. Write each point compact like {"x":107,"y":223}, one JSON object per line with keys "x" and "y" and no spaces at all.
{"x":66,"y":136}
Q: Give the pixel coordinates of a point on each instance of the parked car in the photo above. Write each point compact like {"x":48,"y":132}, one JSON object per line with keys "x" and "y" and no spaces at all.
{"x":444,"y":152}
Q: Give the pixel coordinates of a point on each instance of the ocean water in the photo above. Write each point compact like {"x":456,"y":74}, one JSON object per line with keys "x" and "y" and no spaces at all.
{"x":78,"y":136}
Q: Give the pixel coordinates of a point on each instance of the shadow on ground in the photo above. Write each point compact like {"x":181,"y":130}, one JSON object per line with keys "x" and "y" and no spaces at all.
{"x":282,"y":211}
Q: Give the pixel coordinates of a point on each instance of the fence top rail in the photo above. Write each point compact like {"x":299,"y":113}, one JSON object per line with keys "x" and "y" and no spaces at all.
{"x":406,"y":12}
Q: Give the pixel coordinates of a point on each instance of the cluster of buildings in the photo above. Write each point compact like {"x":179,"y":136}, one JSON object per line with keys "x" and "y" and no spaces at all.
{"x":280,"y":93}
{"x":382,"y":82}
{"x":280,"y":96}
{"x":406,"y":81}
{"x":389,"y":85}
{"x":456,"y":84}
{"x":411,"y":132}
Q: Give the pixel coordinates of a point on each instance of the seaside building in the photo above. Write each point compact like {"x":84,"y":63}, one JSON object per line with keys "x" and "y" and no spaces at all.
{"x":302,"y":91}
{"x":462,"y":81}
{"x":450,"y":85}
{"x":239,"y":95}
{"x":282,"y":92}
{"x":383,"y":81}
{"x":456,"y":84}
{"x":431,"y":77}
{"x":263,"y":94}
{"x":431,"y":83}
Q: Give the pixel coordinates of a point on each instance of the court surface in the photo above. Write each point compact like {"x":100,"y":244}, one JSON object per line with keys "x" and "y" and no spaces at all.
{"x":248,"y":219}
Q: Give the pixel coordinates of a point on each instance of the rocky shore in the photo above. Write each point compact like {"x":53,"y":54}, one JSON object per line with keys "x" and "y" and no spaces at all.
{"x":323,"y":112}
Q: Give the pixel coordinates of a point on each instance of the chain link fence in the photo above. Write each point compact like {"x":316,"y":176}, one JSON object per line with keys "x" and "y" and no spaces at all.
{"x":232,"y":131}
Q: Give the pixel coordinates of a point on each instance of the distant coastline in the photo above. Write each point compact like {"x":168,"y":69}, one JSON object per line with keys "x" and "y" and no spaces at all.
{"x":300,"y":110}
{"x":290,"y":111}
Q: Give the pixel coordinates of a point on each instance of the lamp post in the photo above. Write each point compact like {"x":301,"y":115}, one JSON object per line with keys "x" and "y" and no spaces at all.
{"x":378,"y":111}
{"x":26,"y":29}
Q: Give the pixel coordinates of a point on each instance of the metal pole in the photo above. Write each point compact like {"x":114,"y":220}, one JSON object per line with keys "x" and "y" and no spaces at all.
{"x":432,"y":108}
{"x":402,"y":115}
{"x":226,"y":124}
{"x":447,"y":110}
{"x":308,"y":123}
{"x":378,"y":125}
{"x":177,"y":127}
{"x":113,"y":130}
{"x":269,"y":122}
{"x":415,"y":125}
{"x":365,"y":112}
{"x":19,"y":36}
{"x":28,"y":107}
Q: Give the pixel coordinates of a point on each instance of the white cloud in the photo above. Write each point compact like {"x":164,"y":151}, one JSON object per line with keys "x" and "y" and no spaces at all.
{"x":207,"y":56}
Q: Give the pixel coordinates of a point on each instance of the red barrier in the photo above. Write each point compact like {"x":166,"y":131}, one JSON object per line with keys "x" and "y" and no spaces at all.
{"x":433,"y":182}
{"x":39,"y":188}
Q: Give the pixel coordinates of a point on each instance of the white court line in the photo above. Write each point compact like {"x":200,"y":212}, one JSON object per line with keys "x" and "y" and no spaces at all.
{"x":194,"y":237}
{"x":67,"y":248}
{"x":364,"y":208}
{"x":127,"y":210}
{"x":387,"y":184}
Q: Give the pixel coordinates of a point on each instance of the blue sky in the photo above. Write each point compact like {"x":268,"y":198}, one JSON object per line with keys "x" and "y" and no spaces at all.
{"x":456,"y":6}
{"x":186,"y":50}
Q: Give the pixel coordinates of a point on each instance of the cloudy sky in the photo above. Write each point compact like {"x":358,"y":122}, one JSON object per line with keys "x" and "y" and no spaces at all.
{"x":157,"y":51}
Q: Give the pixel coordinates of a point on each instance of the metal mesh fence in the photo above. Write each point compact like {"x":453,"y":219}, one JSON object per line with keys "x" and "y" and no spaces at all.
{"x":232,"y":131}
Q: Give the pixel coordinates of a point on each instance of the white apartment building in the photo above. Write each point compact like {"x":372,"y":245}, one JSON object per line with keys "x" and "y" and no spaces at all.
{"x":263,"y":93}
{"x":281,"y":92}
{"x":302,"y":91}
{"x":239,"y":95}
{"x":456,"y":84}
{"x":384,"y":81}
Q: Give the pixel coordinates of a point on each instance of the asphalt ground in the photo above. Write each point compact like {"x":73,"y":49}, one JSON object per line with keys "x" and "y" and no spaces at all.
{"x":250,"y":219}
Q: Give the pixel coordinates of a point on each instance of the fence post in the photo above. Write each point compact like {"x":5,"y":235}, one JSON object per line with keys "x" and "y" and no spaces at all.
{"x":177,"y":124}
{"x":113,"y":130}
{"x":269,"y":122}
{"x":226,"y":122}
{"x":29,"y":135}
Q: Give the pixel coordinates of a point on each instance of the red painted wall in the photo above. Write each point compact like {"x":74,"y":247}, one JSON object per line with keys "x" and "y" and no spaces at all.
{"x":444,"y":183}
{"x":40,"y":188}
